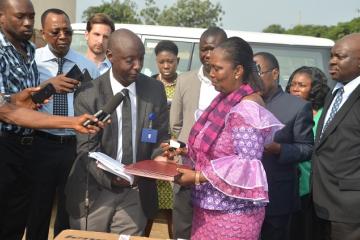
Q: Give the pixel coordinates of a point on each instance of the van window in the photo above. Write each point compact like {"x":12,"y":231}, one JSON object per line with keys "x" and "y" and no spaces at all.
{"x":185,"y":54}
{"x":79,"y":43}
{"x":292,"y":57}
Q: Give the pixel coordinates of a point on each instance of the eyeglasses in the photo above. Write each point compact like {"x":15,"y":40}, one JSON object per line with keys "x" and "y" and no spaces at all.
{"x":56,"y":33}
{"x":262,"y":73}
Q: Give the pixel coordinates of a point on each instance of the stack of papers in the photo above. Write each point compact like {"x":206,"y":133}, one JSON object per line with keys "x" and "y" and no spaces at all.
{"x":111,"y":165}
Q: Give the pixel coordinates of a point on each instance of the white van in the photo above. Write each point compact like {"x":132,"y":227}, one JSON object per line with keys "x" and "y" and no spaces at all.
{"x":292,"y":51}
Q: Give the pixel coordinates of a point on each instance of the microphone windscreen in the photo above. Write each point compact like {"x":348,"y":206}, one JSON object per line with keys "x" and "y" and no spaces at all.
{"x":113,"y":103}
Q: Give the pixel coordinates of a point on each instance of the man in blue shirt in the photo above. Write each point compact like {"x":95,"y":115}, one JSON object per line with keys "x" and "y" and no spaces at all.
{"x":56,"y":148}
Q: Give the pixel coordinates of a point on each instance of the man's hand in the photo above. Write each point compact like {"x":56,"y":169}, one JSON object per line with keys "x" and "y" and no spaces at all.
{"x":23,"y":98}
{"x":120,"y":182}
{"x":63,"y":84}
{"x":170,"y":152}
{"x":273,"y":148}
{"x":79,"y":120}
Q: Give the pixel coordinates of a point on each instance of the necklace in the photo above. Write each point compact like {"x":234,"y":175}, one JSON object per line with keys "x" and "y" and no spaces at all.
{"x":166,"y":83}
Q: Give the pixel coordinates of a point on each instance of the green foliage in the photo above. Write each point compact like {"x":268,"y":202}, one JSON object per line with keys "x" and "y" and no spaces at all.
{"x":274,"y":28}
{"x":187,"y":13}
{"x":150,"y":13}
{"x":191,"y":13}
{"x":120,"y":12}
{"x":333,"y":32}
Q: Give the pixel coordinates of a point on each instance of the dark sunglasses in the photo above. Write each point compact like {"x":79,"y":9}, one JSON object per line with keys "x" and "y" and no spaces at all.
{"x":56,"y":33}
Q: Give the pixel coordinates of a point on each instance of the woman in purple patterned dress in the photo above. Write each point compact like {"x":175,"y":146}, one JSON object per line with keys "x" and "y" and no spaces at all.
{"x":226,"y":145}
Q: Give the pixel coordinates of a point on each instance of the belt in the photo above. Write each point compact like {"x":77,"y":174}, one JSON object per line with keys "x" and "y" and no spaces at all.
{"x":22,"y":139}
{"x":56,"y":138}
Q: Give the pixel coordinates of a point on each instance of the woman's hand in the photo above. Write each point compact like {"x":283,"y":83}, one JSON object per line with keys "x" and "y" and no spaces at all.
{"x":186,"y":177}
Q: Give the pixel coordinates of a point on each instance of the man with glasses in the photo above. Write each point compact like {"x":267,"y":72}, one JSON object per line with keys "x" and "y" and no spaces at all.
{"x":292,"y":144}
{"x":56,"y":148}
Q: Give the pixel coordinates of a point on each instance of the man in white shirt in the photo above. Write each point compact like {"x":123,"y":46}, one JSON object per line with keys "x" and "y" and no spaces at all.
{"x":55,"y":148}
{"x":193,"y":94}
{"x":98,"y":30}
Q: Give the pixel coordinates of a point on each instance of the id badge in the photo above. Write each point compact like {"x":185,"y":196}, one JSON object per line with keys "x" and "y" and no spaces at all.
{"x":149,"y":135}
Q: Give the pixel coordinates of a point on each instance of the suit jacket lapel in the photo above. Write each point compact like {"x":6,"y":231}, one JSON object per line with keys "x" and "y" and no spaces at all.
{"x":141,"y":110}
{"x":345,"y":108}
{"x":330,"y":98}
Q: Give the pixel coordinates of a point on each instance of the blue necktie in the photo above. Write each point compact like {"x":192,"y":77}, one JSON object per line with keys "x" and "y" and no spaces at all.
{"x":335,"y":108}
{"x":60,"y":106}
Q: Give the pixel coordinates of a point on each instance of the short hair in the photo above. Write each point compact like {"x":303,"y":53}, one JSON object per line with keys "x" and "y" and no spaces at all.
{"x":214,"y":31}
{"x":52,"y":10}
{"x":270,"y":59}
{"x":100,"y":18}
{"x":319,"y":87}
{"x":166,"y":45}
{"x":239,"y":52}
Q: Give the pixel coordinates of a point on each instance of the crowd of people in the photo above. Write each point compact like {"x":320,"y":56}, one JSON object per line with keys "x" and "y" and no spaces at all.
{"x":262,"y":162}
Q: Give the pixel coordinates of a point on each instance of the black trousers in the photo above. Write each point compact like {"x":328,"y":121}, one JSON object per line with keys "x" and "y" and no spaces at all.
{"x":182,"y":213}
{"x":54,"y":161}
{"x":276,"y":227}
{"x":15,"y":185}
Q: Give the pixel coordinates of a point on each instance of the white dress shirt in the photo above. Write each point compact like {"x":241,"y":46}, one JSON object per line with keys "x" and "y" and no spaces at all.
{"x":207,"y":93}
{"x":48,"y":68}
{"x":348,"y":89}
{"x":116,"y":87}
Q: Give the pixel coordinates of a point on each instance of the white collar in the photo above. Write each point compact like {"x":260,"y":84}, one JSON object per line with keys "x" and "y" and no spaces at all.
{"x":116,"y":86}
{"x":349,"y":87}
{"x":202,"y":77}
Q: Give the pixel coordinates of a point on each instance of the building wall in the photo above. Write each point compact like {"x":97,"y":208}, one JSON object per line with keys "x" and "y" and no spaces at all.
{"x":68,"y":6}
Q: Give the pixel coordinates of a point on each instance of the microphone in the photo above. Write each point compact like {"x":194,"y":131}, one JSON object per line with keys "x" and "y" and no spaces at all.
{"x":105,"y":113}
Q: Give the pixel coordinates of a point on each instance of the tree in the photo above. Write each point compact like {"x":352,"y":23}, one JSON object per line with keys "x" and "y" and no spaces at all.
{"x":150,"y":13}
{"x":274,"y":28}
{"x":191,"y":13}
{"x":186,"y":13}
{"x":332,"y":32}
{"x":309,"y":30}
{"x":124,"y":12}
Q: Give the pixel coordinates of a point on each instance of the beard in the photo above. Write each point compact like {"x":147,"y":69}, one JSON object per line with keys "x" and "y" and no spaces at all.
{"x":98,"y":50}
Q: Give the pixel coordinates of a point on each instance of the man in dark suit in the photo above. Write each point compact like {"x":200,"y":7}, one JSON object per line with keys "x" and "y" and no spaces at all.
{"x":291,"y":145}
{"x":336,"y":157}
{"x":114,"y":204}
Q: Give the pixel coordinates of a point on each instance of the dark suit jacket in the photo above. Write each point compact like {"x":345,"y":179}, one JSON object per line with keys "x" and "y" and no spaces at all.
{"x":94,"y":95}
{"x":296,"y":139}
{"x":336,"y":163}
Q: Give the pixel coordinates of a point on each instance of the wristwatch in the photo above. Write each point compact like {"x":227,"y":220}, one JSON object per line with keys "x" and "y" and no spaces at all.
{"x":5,"y":99}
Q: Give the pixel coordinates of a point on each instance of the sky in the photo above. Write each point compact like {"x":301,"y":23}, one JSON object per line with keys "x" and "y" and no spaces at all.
{"x":255,"y":15}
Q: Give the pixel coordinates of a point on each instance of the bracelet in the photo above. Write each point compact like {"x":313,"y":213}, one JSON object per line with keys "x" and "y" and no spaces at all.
{"x":197,"y":177}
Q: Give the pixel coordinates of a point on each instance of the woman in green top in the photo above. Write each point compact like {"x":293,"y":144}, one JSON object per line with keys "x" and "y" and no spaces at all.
{"x":167,"y":60}
{"x":310,"y":84}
